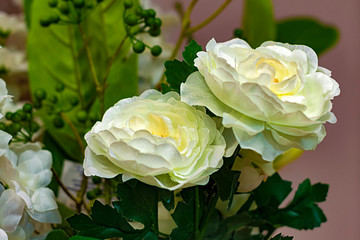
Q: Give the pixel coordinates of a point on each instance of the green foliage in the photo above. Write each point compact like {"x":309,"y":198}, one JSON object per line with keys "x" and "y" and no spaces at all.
{"x":104,"y":222}
{"x":307,"y":31}
{"x":177,"y":72}
{"x":57,"y":234}
{"x":259,"y":23}
{"x":302,"y":212}
{"x":62,"y":47}
{"x":227,"y":179}
{"x":279,"y":237}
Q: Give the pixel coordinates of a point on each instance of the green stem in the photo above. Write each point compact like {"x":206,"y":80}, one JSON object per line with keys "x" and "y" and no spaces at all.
{"x":197,"y":213}
{"x":209,"y":213}
{"x":210,"y":18}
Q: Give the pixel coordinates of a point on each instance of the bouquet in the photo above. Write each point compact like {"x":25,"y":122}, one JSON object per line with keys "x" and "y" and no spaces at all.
{"x":104,"y":134}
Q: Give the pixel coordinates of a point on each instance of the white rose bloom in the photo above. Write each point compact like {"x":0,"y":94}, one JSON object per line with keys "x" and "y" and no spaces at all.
{"x":10,"y":24}
{"x":25,"y":171}
{"x":156,"y":139}
{"x":274,"y":97}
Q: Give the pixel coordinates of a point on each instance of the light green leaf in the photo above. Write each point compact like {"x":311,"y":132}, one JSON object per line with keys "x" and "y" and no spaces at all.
{"x":57,"y":234}
{"x":56,"y":54}
{"x":259,"y":23}
{"x":307,"y":31}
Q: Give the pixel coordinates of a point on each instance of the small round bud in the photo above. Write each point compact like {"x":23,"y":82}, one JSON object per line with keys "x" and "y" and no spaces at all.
{"x":238,"y":33}
{"x":16,"y":117}
{"x":74,"y":101}
{"x":79,"y":3}
{"x":54,"y":99}
{"x":138,"y":11}
{"x":58,"y":121}
{"x":157,"y":22}
{"x":2,"y":126}
{"x":151,"y":12}
{"x":15,"y":127}
{"x":22,"y":114}
{"x":8,"y":115}
{"x":59,"y":87}
{"x":155,"y":32}
{"x":93,"y":117}
{"x":90,"y":195}
{"x":156,"y":50}
{"x":96,"y":179}
{"x":34,"y":126}
{"x":82,"y":116}
{"x":28,"y":116}
{"x":99,"y":1}
{"x":144,"y":14}
{"x":139,"y":47}
{"x":37,"y":104}
{"x":149,"y":22}
{"x":131,"y":20}
{"x":45,"y":21}
{"x":128,"y":4}
{"x":97,"y":191}
{"x":52,"y":3}
{"x":55,"y":18}
{"x":40,"y":94}
{"x":64,"y":8}
{"x":89,"y":4}
{"x":27,"y":108}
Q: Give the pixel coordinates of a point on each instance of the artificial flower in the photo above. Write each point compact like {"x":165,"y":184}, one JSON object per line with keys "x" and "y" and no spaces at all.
{"x":156,"y":139}
{"x":274,"y":97}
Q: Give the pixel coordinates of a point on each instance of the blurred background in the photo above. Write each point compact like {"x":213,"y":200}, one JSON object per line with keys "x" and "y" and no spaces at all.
{"x":336,"y":160}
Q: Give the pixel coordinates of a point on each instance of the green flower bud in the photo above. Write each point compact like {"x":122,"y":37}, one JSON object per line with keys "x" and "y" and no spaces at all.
{"x":15,"y":127}
{"x":22,"y":114}
{"x":52,"y":3}
{"x":55,"y":18}
{"x":156,"y":50}
{"x":82,"y":116}
{"x":2,"y":126}
{"x":138,"y":11}
{"x":53,"y":99}
{"x":59,"y":87}
{"x":144,"y":14}
{"x":79,"y":3}
{"x":64,"y":8}
{"x":90,"y":195}
{"x":40,"y":94}
{"x":58,"y":121}
{"x":128,"y":4}
{"x":139,"y":47}
{"x":96,"y":179}
{"x":155,"y":32}
{"x":238,"y":33}
{"x":99,"y":1}
{"x":37,"y":104}
{"x":27,"y":107}
{"x":16,"y":117}
{"x":93,"y":117}
{"x":45,"y":21}
{"x":151,"y":12}
{"x":74,"y":101}
{"x":157,"y":22}
{"x":150,"y":22}
{"x":34,"y":126}
{"x":8,"y":115}
{"x":131,"y":20}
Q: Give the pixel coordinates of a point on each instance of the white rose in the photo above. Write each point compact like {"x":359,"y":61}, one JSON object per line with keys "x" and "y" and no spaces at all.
{"x":25,"y":171}
{"x":4,"y":97}
{"x":12,"y":61}
{"x":10,"y":24}
{"x":274,"y":97}
{"x":157,"y":139}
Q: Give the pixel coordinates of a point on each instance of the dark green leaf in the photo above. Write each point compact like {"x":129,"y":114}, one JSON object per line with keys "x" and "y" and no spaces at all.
{"x":272,"y":192}
{"x":279,"y":237}
{"x":165,"y":88}
{"x":227,"y":179}
{"x":105,"y":222}
{"x":258,"y":23}
{"x":138,"y":203}
{"x":190,"y":52}
{"x":184,"y":217}
{"x":57,"y":234}
{"x":176,"y":73}
{"x":307,"y":31}
{"x":167,"y":198}
{"x":81,"y":238}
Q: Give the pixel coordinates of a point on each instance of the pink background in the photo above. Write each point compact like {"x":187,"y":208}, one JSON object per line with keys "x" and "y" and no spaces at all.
{"x":336,"y":160}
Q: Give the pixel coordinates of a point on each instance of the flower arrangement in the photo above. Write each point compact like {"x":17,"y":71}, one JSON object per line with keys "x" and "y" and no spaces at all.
{"x":196,"y":155}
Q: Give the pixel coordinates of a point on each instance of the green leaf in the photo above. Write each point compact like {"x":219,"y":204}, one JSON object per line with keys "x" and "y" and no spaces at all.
{"x":227,"y":179}
{"x":190,"y":52}
{"x":105,"y":222}
{"x":307,"y":31}
{"x":279,"y":237}
{"x":138,"y":203}
{"x":272,"y":192}
{"x":177,"y":72}
{"x":65,"y":212}
{"x":81,"y":238}
{"x":27,"y":11}
{"x":184,"y":217}
{"x":259,"y":23}
{"x":167,"y":198}
{"x":56,"y":54}
{"x":57,"y":234}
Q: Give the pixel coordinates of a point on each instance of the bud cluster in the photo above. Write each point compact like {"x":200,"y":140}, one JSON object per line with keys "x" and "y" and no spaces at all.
{"x":142,"y":21}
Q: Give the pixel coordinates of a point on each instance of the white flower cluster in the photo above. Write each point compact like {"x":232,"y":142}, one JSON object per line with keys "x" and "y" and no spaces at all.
{"x":25,"y":201}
